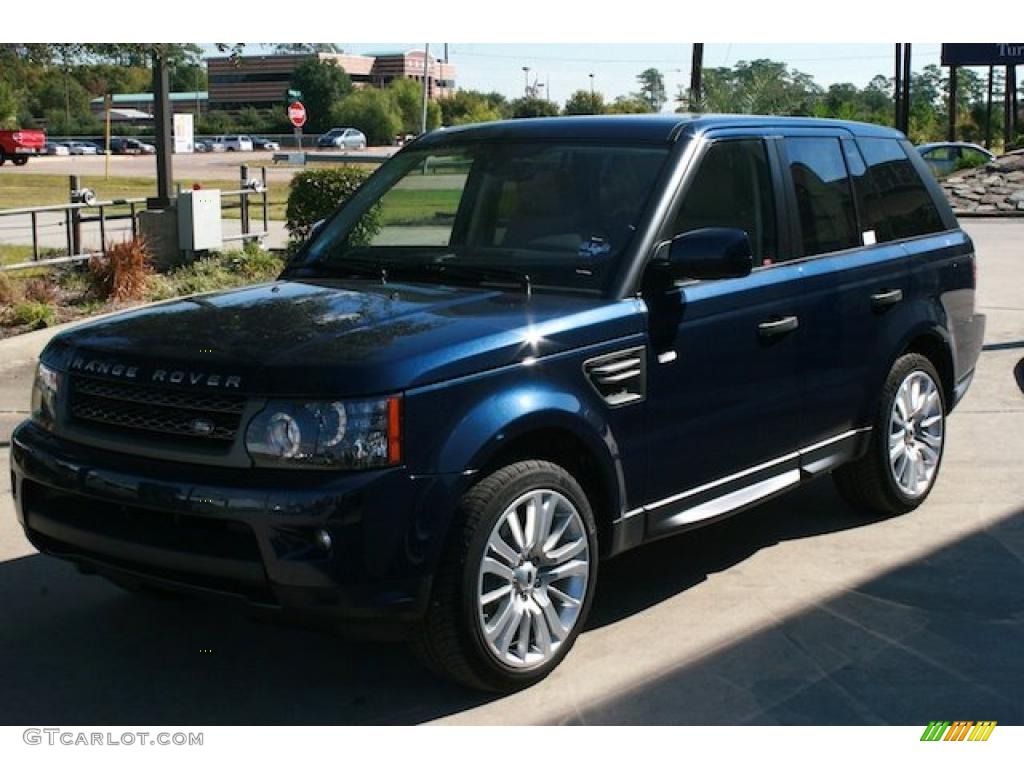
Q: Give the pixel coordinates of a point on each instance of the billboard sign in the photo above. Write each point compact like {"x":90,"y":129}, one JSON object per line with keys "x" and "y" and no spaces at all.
{"x":184,"y":135}
{"x":982,"y":54}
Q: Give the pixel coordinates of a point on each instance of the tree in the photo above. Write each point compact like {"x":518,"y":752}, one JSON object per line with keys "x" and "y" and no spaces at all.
{"x":9,"y":106}
{"x":652,"y":88}
{"x":323,"y":84}
{"x":372,"y":111}
{"x":583,"y":102}
{"x":408,"y":96}
{"x":633,"y":104}
{"x":307,"y":48}
{"x":533,"y":107}
{"x":457,"y":108}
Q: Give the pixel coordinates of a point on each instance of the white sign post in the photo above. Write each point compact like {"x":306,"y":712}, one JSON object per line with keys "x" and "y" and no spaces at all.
{"x":184,"y":135}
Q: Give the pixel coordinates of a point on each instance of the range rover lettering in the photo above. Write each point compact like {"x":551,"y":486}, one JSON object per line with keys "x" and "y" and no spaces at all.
{"x":590,"y":334}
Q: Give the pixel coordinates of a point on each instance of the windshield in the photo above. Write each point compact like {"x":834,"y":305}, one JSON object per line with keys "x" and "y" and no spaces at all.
{"x":555,"y":215}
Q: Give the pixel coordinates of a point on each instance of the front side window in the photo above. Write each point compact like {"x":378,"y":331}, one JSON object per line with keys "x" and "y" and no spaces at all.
{"x":733,"y":188}
{"x":823,"y":196}
{"x":562,"y":214}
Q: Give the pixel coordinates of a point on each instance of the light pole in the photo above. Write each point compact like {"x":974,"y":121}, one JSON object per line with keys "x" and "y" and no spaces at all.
{"x":591,"y":76}
{"x":426,"y":82}
{"x":526,"y":82}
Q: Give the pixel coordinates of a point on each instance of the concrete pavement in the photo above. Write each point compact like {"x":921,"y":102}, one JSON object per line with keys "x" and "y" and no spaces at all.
{"x":801,"y":611}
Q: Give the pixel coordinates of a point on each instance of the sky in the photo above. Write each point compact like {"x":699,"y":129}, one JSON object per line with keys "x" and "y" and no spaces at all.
{"x":564,"y":68}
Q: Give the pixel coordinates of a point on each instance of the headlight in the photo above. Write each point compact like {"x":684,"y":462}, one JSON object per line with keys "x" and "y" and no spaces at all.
{"x":342,"y":434}
{"x":44,"y":395}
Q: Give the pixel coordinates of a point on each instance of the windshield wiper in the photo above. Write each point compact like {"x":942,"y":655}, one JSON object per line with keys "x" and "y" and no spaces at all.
{"x":471,"y":271}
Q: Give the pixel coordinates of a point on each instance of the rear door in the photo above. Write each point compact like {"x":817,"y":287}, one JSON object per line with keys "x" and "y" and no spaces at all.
{"x":857,"y":279}
{"x":724,"y":388}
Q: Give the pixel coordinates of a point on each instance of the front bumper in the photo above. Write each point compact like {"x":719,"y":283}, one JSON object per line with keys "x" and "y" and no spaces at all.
{"x":241,"y":533}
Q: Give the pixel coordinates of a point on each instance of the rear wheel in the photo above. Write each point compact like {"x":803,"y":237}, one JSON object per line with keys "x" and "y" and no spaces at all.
{"x":3,"y":156}
{"x":908,"y":437}
{"x":19,"y":160}
{"x":516,"y":581}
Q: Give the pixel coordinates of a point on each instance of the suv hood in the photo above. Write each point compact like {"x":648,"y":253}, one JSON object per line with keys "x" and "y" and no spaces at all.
{"x":339,"y":337}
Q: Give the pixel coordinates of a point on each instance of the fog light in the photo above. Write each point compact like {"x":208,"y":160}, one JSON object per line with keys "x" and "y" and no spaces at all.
{"x":323,"y":539}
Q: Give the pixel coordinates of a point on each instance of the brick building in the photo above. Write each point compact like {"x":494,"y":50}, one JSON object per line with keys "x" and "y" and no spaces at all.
{"x":263,"y":81}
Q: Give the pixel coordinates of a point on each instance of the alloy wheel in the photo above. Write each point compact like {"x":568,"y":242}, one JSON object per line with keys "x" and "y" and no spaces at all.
{"x":532,"y":581}
{"x":915,"y":434}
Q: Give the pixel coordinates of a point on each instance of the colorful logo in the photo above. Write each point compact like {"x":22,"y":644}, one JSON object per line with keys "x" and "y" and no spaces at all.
{"x":961,"y":730}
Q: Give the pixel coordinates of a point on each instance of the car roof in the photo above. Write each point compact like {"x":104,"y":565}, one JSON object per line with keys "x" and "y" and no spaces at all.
{"x":660,"y":128}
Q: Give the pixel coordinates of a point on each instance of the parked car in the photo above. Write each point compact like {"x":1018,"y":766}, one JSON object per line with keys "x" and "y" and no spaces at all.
{"x":234,"y":143}
{"x":342,"y":138}
{"x":81,"y":147}
{"x":21,"y":144}
{"x":54,"y":148}
{"x":126,"y":146}
{"x":259,"y":142}
{"x":614,"y":330}
{"x":944,"y":157}
{"x":208,"y":145}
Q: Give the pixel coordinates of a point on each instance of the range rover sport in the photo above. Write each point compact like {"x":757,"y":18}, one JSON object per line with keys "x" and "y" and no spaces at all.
{"x":520,"y":348}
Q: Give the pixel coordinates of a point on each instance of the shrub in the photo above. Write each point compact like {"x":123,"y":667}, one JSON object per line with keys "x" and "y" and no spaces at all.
{"x":40,"y":290}
{"x":372,"y":111}
{"x":33,"y":313}
{"x":316,"y":193}
{"x":122,"y":274}
{"x":10,"y":291}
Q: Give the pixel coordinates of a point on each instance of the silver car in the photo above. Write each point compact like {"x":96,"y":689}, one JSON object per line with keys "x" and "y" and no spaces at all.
{"x":944,"y":157}
{"x":343,"y":138}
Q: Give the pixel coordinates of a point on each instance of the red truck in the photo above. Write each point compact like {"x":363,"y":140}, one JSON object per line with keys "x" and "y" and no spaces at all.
{"x":20,"y":145}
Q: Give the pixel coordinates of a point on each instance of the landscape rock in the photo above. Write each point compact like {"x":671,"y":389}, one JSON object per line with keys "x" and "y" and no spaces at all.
{"x":997,"y":187}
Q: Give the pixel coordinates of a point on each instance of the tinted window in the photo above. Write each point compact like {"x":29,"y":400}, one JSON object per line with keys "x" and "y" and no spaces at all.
{"x":823,"y":196}
{"x":733,"y":188}
{"x":896,"y":203}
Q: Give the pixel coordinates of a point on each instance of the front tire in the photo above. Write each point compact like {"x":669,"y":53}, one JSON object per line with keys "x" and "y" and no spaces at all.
{"x":907,"y":440}
{"x":19,"y":160}
{"x":516,"y":580}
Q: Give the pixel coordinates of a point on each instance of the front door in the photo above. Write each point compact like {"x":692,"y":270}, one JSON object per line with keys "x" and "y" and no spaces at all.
{"x":724,"y":386}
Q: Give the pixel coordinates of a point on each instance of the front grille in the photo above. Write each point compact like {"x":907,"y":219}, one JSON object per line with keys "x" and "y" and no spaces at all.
{"x":209,"y":419}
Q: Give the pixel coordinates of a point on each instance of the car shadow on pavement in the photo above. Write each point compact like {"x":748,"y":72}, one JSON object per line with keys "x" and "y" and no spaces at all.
{"x":938,"y":638}
{"x":76,"y":650}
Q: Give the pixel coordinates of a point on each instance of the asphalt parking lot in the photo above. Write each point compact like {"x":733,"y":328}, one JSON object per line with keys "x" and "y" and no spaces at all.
{"x":801,"y":611}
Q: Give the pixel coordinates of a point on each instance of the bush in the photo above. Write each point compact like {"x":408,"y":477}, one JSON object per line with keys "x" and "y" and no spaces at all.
{"x":315,"y":194}
{"x":219,"y":271}
{"x":121,"y":275}
{"x":10,"y":291}
{"x":372,"y":111}
{"x":34,"y":314}
{"x":40,"y":290}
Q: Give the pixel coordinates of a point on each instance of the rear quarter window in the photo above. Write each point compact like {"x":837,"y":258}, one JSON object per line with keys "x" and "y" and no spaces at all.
{"x":893,"y":200}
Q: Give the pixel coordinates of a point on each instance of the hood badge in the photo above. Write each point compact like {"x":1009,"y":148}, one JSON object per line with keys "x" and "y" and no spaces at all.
{"x":201,"y":427}
{"x":157,"y":376}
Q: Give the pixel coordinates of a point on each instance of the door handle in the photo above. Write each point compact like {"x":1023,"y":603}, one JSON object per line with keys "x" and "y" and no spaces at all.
{"x":778,"y":327}
{"x":884,"y":299}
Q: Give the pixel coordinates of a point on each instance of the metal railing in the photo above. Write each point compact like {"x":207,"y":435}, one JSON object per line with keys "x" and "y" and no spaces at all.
{"x":74,"y":216}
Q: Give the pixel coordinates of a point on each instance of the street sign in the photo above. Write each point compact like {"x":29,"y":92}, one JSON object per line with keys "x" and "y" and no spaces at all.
{"x":982,"y":54}
{"x":297,"y":114}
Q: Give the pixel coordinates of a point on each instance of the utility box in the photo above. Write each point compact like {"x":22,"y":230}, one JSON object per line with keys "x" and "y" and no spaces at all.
{"x":199,"y":220}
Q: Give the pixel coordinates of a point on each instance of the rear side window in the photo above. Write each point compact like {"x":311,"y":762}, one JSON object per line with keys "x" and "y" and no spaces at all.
{"x":823,"y":195}
{"x":894,"y":201}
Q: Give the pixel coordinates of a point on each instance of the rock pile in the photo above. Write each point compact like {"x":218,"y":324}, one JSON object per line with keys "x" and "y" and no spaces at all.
{"x":997,"y":187}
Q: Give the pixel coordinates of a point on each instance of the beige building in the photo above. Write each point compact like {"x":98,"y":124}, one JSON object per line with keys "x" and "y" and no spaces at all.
{"x":263,"y":81}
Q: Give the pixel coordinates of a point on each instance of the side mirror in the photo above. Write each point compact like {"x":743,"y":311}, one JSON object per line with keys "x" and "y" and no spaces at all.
{"x":710,"y":253}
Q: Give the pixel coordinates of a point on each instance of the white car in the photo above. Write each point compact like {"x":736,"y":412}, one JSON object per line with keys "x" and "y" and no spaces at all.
{"x":53,"y":148}
{"x":81,"y":148}
{"x":234,"y":143}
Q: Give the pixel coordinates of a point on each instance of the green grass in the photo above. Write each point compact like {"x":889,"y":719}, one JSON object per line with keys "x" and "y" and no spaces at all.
{"x":418,"y":206}
{"x":25,"y":190}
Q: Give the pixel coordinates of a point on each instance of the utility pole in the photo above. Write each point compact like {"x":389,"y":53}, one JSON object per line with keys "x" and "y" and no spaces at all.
{"x":426,"y":81}
{"x":696,"y":68}
{"x":988,"y":108}
{"x":951,"y":132}
{"x":591,"y":86}
{"x":162,"y":124}
{"x":897,"y":87}
{"x":1007,"y":110}
{"x":526,"y":82}
{"x":906,"y":88}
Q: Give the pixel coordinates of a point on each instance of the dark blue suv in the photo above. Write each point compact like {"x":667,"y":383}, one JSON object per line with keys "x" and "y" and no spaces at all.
{"x":518,"y":349}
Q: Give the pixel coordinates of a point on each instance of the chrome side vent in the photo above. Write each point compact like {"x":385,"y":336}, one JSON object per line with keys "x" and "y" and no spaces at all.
{"x":620,"y":377}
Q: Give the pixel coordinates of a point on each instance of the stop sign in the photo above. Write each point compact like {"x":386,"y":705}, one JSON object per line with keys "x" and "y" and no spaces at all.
{"x":297,"y":114}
